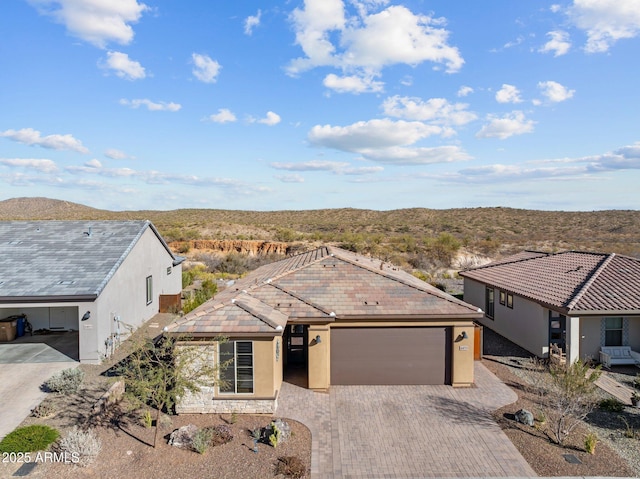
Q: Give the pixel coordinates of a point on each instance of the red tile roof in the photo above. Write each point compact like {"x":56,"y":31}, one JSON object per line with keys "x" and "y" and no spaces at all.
{"x":324,"y":285}
{"x":573,"y":282}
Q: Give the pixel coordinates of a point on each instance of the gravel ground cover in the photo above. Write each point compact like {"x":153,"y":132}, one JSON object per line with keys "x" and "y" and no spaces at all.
{"x":126,"y":450}
{"x":616,"y":453}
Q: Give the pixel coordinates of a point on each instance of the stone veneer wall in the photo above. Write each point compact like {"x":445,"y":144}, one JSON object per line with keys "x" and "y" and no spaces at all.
{"x":204,"y":403}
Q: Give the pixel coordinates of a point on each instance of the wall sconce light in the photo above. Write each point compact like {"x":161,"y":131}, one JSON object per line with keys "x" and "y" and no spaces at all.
{"x":86,"y":316}
{"x":462,"y":336}
{"x":318,"y":339}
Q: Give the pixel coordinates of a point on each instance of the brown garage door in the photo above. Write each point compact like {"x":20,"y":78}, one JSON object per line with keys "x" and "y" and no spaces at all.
{"x":390,"y":356}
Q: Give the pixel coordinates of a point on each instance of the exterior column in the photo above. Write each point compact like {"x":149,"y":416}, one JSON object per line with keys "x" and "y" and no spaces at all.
{"x":572,"y":339}
{"x":319,"y":353}
{"x":462,"y":355}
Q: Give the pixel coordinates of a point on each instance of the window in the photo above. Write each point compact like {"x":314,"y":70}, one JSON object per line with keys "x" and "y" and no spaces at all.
{"x":510,"y":301}
{"x":489,"y":302}
{"x":169,"y":270}
{"x":502,"y":300}
{"x":613,"y":331}
{"x":149,"y":289}
{"x":239,"y":374}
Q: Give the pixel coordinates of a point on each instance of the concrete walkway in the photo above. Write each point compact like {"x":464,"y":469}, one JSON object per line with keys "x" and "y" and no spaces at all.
{"x":23,"y":369}
{"x":406,"y":431}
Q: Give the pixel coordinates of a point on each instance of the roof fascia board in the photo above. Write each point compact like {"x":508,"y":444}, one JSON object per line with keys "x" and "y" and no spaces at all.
{"x":82,"y":298}
{"x":606,"y":312}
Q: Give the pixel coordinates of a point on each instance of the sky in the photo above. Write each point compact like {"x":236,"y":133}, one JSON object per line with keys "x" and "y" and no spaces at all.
{"x":295,"y":105}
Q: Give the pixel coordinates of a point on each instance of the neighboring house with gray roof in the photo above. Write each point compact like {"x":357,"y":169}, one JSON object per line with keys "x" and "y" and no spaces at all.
{"x":100,"y":278}
{"x":328,"y":317}
{"x":578,"y":301}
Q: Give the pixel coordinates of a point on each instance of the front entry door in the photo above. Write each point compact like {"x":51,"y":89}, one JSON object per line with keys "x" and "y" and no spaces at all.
{"x":557,"y":330}
{"x":297,"y":344}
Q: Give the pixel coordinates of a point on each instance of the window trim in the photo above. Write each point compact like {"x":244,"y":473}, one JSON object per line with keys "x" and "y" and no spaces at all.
{"x":235,"y":370}
{"x":502,"y":298}
{"x":509,"y":301}
{"x":149,"y":283}
{"x":621,"y":329}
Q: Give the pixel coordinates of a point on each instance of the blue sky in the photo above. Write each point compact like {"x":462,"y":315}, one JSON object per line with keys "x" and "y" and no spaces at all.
{"x":321,"y":103}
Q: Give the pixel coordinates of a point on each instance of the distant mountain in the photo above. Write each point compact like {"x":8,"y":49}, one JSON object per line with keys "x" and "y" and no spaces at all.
{"x":46,"y":209}
{"x":406,"y":232}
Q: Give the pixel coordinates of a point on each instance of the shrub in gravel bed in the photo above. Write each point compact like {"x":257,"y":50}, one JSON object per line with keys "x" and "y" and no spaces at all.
{"x":82,"y":446}
{"x":201,"y":440}
{"x":44,"y":409}
{"x":611,"y":405}
{"x":66,"y":381}
{"x":290,"y":466}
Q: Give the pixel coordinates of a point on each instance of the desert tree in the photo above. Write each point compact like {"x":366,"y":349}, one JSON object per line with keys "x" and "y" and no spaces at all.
{"x":161,"y":371}
{"x":566,"y":394}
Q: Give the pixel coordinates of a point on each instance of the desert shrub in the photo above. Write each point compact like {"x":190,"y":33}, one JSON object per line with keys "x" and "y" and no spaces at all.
{"x":590,"y":442}
{"x":36,"y":437}
{"x":201,"y":440}
{"x":43,"y":409}
{"x":221,"y":435}
{"x":147,"y":420}
{"x":290,"y":466}
{"x":83,"y":446}
{"x":611,"y":405}
{"x":66,"y":381}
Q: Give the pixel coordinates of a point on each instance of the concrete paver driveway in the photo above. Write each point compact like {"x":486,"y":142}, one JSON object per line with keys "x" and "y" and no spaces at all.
{"x":23,"y":369}
{"x":406,"y":431}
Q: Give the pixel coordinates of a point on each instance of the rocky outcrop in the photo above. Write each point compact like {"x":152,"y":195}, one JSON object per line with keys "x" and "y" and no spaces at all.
{"x":250,"y":247}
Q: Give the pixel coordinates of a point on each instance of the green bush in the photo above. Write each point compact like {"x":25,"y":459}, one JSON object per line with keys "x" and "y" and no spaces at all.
{"x":611,"y":405}
{"x":36,"y":437}
{"x":65,"y":382}
{"x":202,"y":440}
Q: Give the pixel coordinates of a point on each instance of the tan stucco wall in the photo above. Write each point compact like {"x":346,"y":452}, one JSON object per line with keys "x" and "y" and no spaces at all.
{"x":526,"y":324}
{"x":462,"y":355}
{"x":319,"y":375}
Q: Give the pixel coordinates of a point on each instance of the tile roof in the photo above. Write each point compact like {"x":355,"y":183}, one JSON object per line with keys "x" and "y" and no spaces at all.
{"x":325,"y":284}
{"x":48,"y":259}
{"x":572,"y":281}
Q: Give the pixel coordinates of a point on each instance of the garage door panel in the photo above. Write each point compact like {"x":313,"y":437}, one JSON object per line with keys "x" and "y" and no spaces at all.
{"x":372,"y":356}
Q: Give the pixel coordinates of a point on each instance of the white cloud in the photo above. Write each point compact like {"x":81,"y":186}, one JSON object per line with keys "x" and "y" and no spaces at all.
{"x":508,"y":94}
{"x":151,"y":106}
{"x":115,"y":154}
{"x":625,"y":158}
{"x":464,"y":91}
{"x":605,"y":21}
{"x":436,"y":110}
{"x":31,"y":137}
{"x":271,"y":119}
{"x":123,"y":66}
{"x":554,"y":91}
{"x":386,"y":141}
{"x":41,"y":165}
{"x":224,"y":115}
{"x":336,"y":167}
{"x":251,"y":22}
{"x":95,"y":163}
{"x":295,"y":178}
{"x":510,"y":124}
{"x":205,"y":69}
{"x":95,"y":21}
{"x":352,"y":84}
{"x":555,"y":8}
{"x":559,"y":43}
{"x":368,"y":42}
{"x":400,"y":155}
{"x":371,"y":134}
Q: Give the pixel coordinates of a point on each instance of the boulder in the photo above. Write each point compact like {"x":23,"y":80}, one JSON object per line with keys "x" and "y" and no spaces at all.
{"x":183,"y":437}
{"x":524,"y":417}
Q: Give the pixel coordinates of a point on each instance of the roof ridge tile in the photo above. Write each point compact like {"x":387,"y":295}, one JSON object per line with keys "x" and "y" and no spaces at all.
{"x":590,"y":281}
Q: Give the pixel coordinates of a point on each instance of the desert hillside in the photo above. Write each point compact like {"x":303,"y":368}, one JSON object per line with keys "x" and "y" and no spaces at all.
{"x":408,"y":232}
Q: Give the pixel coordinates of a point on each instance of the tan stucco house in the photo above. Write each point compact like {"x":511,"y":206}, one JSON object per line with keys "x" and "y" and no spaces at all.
{"x":99,"y":278}
{"x":578,"y":301}
{"x":328,"y":317}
